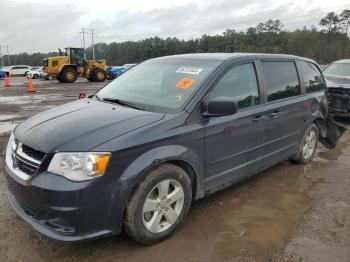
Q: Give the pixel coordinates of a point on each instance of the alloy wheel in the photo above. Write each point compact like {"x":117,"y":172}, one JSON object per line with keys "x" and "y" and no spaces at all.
{"x":163,"y":206}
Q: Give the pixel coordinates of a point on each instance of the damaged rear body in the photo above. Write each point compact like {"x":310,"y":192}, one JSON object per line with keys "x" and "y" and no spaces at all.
{"x":337,"y":76}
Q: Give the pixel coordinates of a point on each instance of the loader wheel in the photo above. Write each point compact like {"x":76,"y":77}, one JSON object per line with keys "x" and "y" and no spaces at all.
{"x":69,"y":75}
{"x":98,"y":75}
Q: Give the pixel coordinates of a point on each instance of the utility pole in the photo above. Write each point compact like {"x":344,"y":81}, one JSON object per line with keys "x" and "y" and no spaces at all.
{"x":89,"y":31}
{"x":84,"y":44}
{"x":83,"y":32}
{"x":2,"y":58}
{"x":8,"y":54}
{"x":93,"y":46}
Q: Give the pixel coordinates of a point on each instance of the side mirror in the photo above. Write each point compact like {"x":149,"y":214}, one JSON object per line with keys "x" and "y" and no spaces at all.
{"x":221,"y":106}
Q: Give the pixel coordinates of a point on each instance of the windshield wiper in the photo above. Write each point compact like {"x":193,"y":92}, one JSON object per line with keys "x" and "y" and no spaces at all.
{"x":123,"y":103}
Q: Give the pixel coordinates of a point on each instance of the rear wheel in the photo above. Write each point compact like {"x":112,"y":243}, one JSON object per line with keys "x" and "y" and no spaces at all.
{"x":68,"y":75}
{"x":98,"y":75}
{"x":307,"y":146}
{"x":159,"y":205}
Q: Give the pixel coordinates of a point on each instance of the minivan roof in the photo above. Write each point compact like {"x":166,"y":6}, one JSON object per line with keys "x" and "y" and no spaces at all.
{"x":230,"y":56}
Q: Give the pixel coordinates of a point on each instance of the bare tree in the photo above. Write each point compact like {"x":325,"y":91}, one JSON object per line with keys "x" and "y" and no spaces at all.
{"x":332,"y":22}
{"x":345,"y":18}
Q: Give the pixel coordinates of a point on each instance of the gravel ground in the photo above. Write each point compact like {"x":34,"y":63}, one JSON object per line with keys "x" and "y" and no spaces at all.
{"x":286,"y":213}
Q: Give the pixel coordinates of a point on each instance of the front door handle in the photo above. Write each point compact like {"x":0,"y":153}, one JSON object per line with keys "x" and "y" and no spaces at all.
{"x":258,"y":118}
{"x":275,"y":114}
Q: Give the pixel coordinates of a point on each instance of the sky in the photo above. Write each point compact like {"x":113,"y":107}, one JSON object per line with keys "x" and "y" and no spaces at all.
{"x":46,"y":25}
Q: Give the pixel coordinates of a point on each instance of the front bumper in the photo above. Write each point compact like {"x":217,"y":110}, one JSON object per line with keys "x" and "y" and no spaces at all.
{"x":65,"y":210}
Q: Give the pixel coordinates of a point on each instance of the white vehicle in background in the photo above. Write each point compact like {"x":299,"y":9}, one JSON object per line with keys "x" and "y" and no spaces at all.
{"x":17,"y":69}
{"x":36,"y":73}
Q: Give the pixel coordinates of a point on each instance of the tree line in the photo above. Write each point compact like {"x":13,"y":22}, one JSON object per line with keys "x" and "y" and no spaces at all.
{"x":325,"y":45}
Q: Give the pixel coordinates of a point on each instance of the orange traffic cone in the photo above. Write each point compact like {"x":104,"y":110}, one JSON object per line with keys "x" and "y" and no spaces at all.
{"x":30,"y":85}
{"x":7,"y":81}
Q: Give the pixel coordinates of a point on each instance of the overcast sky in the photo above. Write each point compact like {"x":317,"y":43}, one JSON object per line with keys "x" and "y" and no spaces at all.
{"x":45,"y":25}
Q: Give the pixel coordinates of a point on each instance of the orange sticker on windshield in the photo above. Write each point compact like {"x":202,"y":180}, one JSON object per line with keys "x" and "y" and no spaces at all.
{"x":185,"y":83}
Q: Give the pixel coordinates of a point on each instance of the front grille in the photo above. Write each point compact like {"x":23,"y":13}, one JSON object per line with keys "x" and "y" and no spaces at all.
{"x":26,"y":159}
{"x":32,"y":212}
{"x":49,"y":220}
{"x":25,"y":168}
{"x":37,"y":155}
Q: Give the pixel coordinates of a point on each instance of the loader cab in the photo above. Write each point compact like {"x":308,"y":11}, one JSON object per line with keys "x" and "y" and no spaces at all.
{"x":76,"y":56}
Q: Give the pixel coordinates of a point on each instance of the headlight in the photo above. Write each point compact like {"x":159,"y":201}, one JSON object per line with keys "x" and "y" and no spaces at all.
{"x":11,"y":145}
{"x":79,"y":166}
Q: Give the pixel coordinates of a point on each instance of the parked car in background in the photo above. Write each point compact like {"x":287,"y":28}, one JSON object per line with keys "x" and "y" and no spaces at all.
{"x":172,"y":130}
{"x":2,"y":74}
{"x":17,"y":69}
{"x":128,"y":66}
{"x":115,"y":71}
{"x":337,"y":76}
{"x":47,"y":76}
{"x":37,"y":73}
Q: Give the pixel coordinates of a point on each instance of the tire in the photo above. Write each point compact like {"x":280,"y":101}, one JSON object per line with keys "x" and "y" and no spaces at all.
{"x":68,"y":75}
{"x":98,"y":75}
{"x":306,"y":152}
{"x":110,"y":76}
{"x":35,"y":76}
{"x":59,"y":78}
{"x":138,"y":222}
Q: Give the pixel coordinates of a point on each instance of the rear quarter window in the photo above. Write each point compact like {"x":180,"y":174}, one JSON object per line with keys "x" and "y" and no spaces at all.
{"x":281,"y":80}
{"x":313,"y":80}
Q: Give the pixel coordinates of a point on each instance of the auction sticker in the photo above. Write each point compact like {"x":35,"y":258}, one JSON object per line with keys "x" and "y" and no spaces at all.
{"x":185,"y":83}
{"x":189,"y":70}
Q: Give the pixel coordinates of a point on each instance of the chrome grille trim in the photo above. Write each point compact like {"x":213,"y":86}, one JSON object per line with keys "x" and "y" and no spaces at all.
{"x":16,"y":158}
{"x":16,"y":170}
{"x":21,"y":153}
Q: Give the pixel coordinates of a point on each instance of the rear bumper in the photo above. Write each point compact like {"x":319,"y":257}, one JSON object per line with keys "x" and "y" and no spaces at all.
{"x":65,"y":210}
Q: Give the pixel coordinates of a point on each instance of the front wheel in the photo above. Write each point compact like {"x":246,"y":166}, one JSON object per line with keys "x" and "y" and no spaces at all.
{"x":159,"y":205}
{"x":307,"y":146}
{"x":98,"y":75}
{"x":68,"y":75}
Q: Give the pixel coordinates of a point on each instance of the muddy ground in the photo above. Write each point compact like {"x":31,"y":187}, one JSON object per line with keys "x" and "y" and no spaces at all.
{"x":287,"y":213}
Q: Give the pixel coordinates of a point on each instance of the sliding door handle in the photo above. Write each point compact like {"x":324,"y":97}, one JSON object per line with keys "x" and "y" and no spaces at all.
{"x":258,"y":118}
{"x":275,"y":114}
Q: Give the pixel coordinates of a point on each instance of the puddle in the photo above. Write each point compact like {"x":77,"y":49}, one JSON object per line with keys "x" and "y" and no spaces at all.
{"x":8,"y":117}
{"x":325,"y":155}
{"x":34,"y":98}
{"x":14,"y":99}
{"x":256,"y":217}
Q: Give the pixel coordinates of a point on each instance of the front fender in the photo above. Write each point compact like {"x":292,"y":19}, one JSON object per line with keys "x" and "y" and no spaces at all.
{"x":156,"y":156}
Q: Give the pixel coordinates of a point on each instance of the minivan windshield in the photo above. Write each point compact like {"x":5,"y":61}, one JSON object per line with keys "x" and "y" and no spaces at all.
{"x":159,"y":85}
{"x":338,"y":69}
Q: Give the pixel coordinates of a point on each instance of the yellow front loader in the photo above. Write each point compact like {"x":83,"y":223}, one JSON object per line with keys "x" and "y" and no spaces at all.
{"x":67,"y":67}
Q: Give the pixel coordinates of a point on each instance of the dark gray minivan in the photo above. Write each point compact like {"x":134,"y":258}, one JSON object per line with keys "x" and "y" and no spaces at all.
{"x":169,"y":131}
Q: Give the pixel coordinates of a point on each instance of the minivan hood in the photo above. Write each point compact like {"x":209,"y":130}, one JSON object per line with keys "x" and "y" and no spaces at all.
{"x":81,"y":125}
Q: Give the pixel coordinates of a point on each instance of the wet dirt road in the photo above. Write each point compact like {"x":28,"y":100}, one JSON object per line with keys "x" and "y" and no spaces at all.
{"x":287,"y":213}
